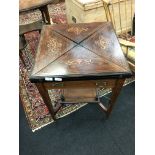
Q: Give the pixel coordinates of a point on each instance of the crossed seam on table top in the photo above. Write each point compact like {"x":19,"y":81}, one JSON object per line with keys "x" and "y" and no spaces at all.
{"x":79,"y":44}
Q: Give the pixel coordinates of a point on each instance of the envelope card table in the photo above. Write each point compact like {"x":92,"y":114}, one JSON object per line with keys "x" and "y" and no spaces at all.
{"x":79,"y":59}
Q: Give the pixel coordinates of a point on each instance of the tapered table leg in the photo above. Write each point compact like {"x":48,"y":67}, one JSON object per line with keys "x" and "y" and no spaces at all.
{"x":44,"y":93}
{"x":115,"y":92}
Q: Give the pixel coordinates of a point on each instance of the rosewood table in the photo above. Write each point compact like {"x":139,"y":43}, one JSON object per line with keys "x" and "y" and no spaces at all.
{"x":79,"y":59}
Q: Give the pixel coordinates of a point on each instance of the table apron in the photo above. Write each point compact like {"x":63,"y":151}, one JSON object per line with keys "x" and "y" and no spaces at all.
{"x":110,"y":83}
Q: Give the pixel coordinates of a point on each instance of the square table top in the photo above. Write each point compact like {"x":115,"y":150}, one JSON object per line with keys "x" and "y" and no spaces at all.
{"x":79,"y":51}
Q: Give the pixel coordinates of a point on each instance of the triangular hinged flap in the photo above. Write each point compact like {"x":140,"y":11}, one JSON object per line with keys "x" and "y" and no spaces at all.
{"x":77,"y":32}
{"x":51,"y":46}
{"x":105,"y":44}
{"x":79,"y":61}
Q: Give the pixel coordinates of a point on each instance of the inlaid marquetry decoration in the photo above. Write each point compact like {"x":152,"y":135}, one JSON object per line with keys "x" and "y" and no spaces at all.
{"x":53,"y":45}
{"x":81,"y":56}
{"x":79,"y":62}
{"x":79,"y":49}
{"x":77,"y":30}
{"x":104,"y":43}
{"x":101,"y":42}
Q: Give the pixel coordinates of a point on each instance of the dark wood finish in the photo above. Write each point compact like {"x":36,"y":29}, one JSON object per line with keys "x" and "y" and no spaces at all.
{"x":79,"y":95}
{"x":77,"y":33}
{"x":105,"y":44}
{"x":99,"y":53}
{"x":44,"y":93}
{"x":80,"y":58}
{"x":51,"y":47}
{"x":81,"y":84}
{"x":115,"y":92}
{"x":78,"y":61}
{"x":45,"y":14}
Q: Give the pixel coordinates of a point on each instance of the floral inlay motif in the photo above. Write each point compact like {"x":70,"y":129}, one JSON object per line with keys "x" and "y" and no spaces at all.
{"x":77,"y":30}
{"x":54,"y":45}
{"x":79,"y":61}
{"x":101,"y":42}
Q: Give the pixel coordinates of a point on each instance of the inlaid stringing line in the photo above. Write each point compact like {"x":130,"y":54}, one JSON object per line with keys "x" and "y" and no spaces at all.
{"x":77,"y":30}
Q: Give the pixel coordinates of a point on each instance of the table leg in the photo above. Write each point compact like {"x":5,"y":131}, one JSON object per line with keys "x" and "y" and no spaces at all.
{"x":115,"y":92}
{"x":45,"y":14}
{"x":44,"y":93}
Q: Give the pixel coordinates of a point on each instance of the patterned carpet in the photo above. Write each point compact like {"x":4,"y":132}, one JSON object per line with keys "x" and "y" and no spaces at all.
{"x":35,"y":109}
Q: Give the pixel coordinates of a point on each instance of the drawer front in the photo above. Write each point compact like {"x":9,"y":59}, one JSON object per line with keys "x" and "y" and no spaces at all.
{"x":81,"y":84}
{"x":105,"y":83}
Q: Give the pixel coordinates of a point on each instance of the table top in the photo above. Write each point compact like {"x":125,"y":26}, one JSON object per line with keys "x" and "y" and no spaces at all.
{"x":25,"y":5}
{"x":77,"y":52}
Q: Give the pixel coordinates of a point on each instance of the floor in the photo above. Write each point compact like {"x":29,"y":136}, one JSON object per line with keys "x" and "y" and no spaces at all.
{"x":86,"y":131}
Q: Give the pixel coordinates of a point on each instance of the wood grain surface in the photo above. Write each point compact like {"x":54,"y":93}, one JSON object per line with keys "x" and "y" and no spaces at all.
{"x":79,"y":50}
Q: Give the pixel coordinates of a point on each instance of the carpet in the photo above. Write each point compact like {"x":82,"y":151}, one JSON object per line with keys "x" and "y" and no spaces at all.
{"x":35,"y":109}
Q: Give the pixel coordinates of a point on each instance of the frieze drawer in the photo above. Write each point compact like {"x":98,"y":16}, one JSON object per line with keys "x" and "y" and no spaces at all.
{"x":81,"y":84}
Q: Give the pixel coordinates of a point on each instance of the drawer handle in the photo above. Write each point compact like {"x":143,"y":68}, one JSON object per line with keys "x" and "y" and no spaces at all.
{"x":57,"y":85}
